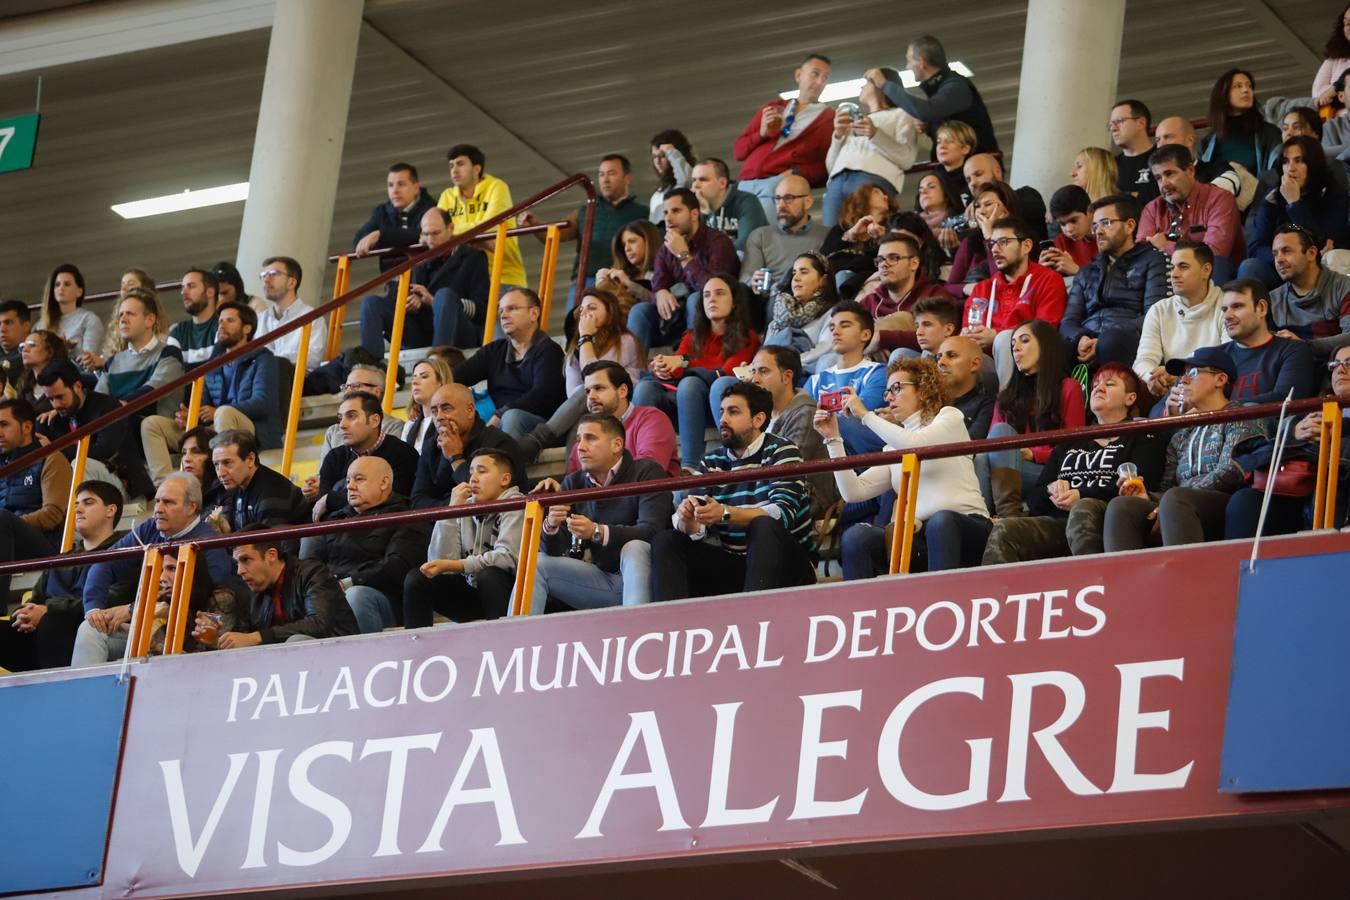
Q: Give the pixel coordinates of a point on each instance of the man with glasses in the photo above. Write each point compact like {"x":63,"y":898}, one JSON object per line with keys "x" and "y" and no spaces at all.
{"x":793,"y":233}
{"x":1313,"y":302}
{"x":1188,"y":210}
{"x":692,"y":253}
{"x":281,"y":277}
{"x":363,"y":378}
{"x":1129,"y":126}
{"x":1018,"y":291}
{"x":902,"y":286}
{"x":1112,"y":293}
{"x":787,"y":137}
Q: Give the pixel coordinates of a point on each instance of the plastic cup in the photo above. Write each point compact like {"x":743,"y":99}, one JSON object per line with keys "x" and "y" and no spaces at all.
{"x":208,"y":628}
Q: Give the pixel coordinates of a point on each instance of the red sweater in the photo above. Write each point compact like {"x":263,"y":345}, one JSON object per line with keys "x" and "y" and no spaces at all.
{"x":1072,"y":414}
{"x":763,"y":157}
{"x":1039,"y":294}
{"x":879,"y":303}
{"x":711,"y":358}
{"x":1082,"y":252}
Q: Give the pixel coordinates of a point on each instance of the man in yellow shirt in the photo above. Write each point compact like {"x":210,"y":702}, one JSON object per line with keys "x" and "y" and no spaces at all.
{"x":475,"y":197}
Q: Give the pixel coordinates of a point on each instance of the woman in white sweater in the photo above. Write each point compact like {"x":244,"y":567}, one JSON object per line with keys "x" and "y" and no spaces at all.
{"x":951,"y":516}
{"x":1178,"y":325}
{"x":875,"y":148}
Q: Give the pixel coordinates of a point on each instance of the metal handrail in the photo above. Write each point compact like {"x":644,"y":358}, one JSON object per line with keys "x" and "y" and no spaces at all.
{"x":177,"y":384}
{"x":789,"y":470}
{"x":418,"y":248}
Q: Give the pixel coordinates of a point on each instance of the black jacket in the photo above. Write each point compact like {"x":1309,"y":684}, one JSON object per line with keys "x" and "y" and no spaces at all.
{"x":465,"y":272}
{"x":437,"y":476}
{"x":1116,"y":296}
{"x":333,"y":472}
{"x":105,"y":442}
{"x":377,"y":557}
{"x":947,"y":95}
{"x":270,"y":499}
{"x":397,"y":228}
{"x":533,"y":383}
{"x":629,"y":518}
{"x":311,"y":600}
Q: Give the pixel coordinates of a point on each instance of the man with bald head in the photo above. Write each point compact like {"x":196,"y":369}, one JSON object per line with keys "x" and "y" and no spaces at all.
{"x":459,"y":434}
{"x":959,"y":361}
{"x":984,"y":168}
{"x":794,"y":232}
{"x":370,"y":563}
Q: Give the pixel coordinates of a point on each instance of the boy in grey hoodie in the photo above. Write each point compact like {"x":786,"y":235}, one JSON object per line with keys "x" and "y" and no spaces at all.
{"x":471,"y":561}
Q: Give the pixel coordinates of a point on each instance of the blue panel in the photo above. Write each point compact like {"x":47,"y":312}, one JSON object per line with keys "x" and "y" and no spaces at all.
{"x":1288,"y":723}
{"x":68,"y":737}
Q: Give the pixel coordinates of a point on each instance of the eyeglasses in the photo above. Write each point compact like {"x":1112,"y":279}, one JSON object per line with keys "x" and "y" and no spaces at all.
{"x":894,"y":387}
{"x":1002,"y":242}
{"x":1196,"y":371}
{"x":1103,"y":224}
{"x":29,"y":345}
{"x":1116,"y":123}
{"x":1338,"y":364}
{"x":891,"y":259}
{"x":359,"y":386}
{"x":788,"y":198}
{"x":273,"y":273}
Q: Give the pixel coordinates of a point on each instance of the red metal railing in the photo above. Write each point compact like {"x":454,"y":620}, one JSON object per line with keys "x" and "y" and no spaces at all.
{"x":319,"y":312}
{"x":791,"y":470}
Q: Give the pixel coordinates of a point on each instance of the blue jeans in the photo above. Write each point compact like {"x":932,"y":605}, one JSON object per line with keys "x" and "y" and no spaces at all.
{"x":688,"y":408}
{"x":763,"y":189}
{"x":651,"y":330}
{"x":858,"y":438}
{"x":583,"y":585}
{"x":452,"y":325}
{"x":374,"y":613}
{"x":1004,"y":459}
{"x":948,"y":540}
{"x":377,"y":323}
{"x":844,"y":183}
{"x":519,"y":422}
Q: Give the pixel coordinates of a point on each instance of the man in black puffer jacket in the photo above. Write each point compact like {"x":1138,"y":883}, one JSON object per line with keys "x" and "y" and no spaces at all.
{"x":1112,"y":293}
{"x":370,"y":563}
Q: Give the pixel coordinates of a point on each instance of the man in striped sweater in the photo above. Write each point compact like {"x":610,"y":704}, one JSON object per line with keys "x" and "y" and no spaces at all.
{"x":750,"y":536}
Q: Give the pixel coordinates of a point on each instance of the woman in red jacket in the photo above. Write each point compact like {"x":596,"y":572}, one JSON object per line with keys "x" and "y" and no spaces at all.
{"x":702,"y":365}
{"x":1039,"y":397}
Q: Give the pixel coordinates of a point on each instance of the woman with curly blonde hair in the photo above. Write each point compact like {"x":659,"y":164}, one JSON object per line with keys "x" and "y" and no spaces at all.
{"x":1094,"y":170}
{"x":952,"y":520}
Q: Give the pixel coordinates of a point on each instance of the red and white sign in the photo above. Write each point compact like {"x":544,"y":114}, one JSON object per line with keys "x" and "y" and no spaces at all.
{"x":1071,"y":693}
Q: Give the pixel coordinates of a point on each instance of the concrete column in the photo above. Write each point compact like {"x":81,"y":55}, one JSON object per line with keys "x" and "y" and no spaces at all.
{"x":1070,"y":60}
{"x":297,"y":150}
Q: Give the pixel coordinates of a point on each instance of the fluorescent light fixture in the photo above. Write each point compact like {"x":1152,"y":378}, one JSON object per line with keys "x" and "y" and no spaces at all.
{"x":848,"y":90}
{"x":155,"y":206}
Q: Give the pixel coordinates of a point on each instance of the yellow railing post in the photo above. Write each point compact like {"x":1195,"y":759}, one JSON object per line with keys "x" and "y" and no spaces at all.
{"x":335,"y":318}
{"x":143,"y":614}
{"x":194,"y":413}
{"x":522,"y":602}
{"x":495,"y":285}
{"x":180,"y":600}
{"x":76,"y":476}
{"x":293,"y":413}
{"x":546,"y":274}
{"x":1328,"y":466}
{"x":396,"y":341}
{"x":906,"y":499}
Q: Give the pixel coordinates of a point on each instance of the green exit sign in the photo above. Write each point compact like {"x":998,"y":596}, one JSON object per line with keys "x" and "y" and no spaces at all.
{"x":18,"y":138}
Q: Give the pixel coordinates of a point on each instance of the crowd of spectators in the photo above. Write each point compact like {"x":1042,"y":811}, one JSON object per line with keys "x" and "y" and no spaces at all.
{"x":722,"y":326}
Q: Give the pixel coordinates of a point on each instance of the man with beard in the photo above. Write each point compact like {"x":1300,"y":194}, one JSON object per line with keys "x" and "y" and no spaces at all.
{"x":1313,"y":303}
{"x":239,"y":396}
{"x":1112,"y":293}
{"x":648,"y":433}
{"x":1019,"y":291}
{"x":763,"y":529}
{"x":196,"y":335}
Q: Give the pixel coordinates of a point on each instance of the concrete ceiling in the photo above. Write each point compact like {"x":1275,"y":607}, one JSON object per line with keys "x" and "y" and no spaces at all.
{"x":544,"y":88}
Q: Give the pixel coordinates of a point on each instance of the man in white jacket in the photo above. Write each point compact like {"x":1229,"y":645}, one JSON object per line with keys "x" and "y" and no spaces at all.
{"x":471,"y":560}
{"x":1189,"y":319}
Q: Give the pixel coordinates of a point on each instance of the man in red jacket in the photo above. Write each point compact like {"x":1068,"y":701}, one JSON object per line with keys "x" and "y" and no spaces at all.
{"x":787,"y":136}
{"x":1020,"y":290}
